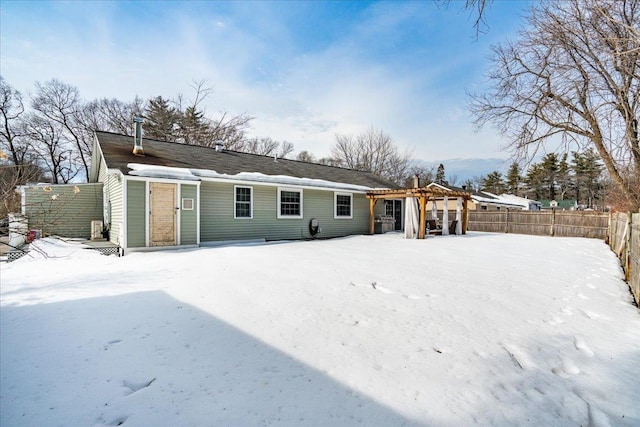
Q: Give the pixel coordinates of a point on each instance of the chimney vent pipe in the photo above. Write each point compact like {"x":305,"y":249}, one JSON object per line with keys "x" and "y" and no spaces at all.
{"x":137,"y":138}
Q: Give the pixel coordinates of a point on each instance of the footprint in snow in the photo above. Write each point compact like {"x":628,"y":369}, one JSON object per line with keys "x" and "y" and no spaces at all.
{"x":136,"y":386}
{"x":597,"y":418}
{"x":582,"y":346}
{"x":555,"y":321}
{"x":412,"y":296}
{"x":519,"y":357}
{"x":566,"y":369}
{"x":567,"y":310}
{"x":111,"y":343}
{"x":118,"y":421}
{"x":590,"y":314}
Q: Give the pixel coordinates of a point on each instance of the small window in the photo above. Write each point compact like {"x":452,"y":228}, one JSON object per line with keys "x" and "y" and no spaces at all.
{"x":187,"y":204}
{"x":289,"y":203}
{"x":343,"y":205}
{"x":243,"y":207}
{"x":483,"y":207}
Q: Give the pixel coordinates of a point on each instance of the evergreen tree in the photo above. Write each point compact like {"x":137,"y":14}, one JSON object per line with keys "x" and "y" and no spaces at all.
{"x":468,"y":184}
{"x":161,"y":121}
{"x":514,"y":179}
{"x":194,"y":127}
{"x":587,"y":169}
{"x":536,"y":183}
{"x":440,"y":175}
{"x":493,"y":183}
{"x":550,"y":168}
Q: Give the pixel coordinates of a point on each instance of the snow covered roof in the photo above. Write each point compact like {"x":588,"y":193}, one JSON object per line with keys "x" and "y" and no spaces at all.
{"x":519,"y":200}
{"x":502,"y":200}
{"x":189,"y":162}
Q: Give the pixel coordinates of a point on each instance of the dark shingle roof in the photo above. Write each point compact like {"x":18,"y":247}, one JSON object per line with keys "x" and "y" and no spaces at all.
{"x":117,"y":152}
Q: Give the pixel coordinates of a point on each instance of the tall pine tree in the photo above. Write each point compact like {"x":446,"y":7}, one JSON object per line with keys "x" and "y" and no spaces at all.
{"x":493,"y":183}
{"x":587,"y":170}
{"x":514,"y":179}
{"x":161,"y":120}
{"x":440,"y":179}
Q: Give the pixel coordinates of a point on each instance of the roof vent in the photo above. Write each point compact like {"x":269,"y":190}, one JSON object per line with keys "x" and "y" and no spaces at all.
{"x":219,"y":146}
{"x":137,"y":138}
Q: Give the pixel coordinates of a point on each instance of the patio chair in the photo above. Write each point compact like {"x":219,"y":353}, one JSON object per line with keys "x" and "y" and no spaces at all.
{"x":433,"y":227}
{"x":452,"y":226}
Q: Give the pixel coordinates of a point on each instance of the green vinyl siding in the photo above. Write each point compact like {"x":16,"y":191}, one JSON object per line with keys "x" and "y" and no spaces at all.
{"x":188,"y":218}
{"x":102,"y":171}
{"x":218,"y":223}
{"x":114,"y":206}
{"x":64,"y":210}
{"x":136,"y":218}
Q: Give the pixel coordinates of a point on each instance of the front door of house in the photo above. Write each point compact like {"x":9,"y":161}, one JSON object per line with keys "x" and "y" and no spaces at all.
{"x":394,"y":208}
{"x":162,"y":220}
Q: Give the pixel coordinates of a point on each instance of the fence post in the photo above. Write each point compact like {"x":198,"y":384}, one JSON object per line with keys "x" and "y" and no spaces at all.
{"x":627,"y":251}
{"x":553,"y":222}
{"x":506,"y":223}
{"x":609,"y":230}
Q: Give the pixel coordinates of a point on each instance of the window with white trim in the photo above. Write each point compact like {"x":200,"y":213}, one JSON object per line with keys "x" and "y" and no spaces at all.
{"x":187,"y":204}
{"x":289,"y":203}
{"x":343,"y":205}
{"x":243,"y":206}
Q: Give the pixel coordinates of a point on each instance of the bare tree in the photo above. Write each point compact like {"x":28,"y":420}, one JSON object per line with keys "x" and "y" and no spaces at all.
{"x":574,"y":72}
{"x":11,"y":110}
{"x":477,"y":8}
{"x":110,"y":115}
{"x":18,"y":164}
{"x":452,"y":179}
{"x":285,"y":149}
{"x":12,"y":176}
{"x":53,"y":151}
{"x":426,"y":175}
{"x":264,"y":146}
{"x":60,"y":104}
{"x":372,"y":151}
{"x":305,"y":156}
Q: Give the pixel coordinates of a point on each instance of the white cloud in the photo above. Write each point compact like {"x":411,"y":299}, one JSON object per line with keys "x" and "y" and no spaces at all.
{"x":257,"y":66}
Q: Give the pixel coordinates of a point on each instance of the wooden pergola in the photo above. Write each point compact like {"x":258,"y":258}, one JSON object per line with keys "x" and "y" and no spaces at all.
{"x":423,"y":194}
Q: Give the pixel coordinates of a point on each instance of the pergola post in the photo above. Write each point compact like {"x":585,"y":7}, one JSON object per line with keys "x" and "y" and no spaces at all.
{"x":372,"y":210}
{"x":423,"y":217}
{"x":465,"y":213}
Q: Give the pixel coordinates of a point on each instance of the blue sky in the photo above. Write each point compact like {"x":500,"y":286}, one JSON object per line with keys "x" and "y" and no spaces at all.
{"x":304,"y":70}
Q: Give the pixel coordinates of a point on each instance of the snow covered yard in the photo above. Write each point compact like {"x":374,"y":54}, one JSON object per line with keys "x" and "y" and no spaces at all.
{"x":483,"y":329}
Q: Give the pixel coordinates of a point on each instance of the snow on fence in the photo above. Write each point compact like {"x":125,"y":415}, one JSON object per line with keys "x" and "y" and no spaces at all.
{"x":625,"y":242}
{"x":542,"y":223}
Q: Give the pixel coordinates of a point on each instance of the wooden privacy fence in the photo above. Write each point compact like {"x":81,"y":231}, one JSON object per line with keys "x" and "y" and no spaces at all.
{"x":625,"y":242}
{"x":542,"y":223}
